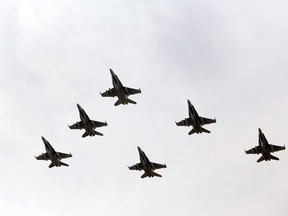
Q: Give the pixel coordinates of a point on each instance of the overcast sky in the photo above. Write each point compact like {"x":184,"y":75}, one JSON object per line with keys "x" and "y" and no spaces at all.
{"x":228,"y":57}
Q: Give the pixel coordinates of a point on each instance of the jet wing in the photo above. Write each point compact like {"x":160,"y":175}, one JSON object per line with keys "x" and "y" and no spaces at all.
{"x":185,"y":122}
{"x":207,"y":120}
{"x":99,"y":124}
{"x":43,"y":156}
{"x":132,"y":91}
{"x":64,"y":155}
{"x":109,"y":93}
{"x":77,"y":125}
{"x":159,"y":166}
{"x":138,"y":166}
{"x":275,"y":148}
{"x":255,"y":150}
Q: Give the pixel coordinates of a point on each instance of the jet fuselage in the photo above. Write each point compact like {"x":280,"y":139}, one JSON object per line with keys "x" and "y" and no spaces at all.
{"x":195,"y":119}
{"x":147,"y":165}
{"x":265,"y":146}
{"x":88,"y":124}
{"x":52,"y":154}
{"x":121,"y":91}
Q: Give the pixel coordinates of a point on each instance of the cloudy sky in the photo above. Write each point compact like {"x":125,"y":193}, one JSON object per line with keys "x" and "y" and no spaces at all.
{"x":228,"y":57}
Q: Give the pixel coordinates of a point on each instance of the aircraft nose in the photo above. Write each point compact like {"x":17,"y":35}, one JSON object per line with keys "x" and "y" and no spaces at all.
{"x":43,"y":139}
{"x":112,"y":73}
{"x":259,"y":130}
{"x":188,"y":101}
{"x":78,"y":106}
{"x":139,"y":149}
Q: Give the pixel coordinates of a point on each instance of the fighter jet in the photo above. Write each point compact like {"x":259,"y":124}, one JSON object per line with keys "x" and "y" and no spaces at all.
{"x":87,"y":124}
{"x":52,"y":155}
{"x":120,"y":91}
{"x":195,"y":120}
{"x":146,"y":165}
{"x":265,"y":149}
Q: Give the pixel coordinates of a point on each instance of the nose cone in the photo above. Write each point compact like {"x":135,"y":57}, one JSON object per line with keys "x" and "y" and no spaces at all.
{"x":45,"y":142}
{"x":188,"y":101}
{"x":260,"y":132}
{"x":139,"y":149}
{"x":79,"y":107}
{"x":43,"y":139}
{"x":111,"y":72}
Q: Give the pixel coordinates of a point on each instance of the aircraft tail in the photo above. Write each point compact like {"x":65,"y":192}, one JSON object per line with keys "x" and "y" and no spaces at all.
{"x":205,"y":130}
{"x":85,"y":134}
{"x":274,"y":158}
{"x":260,"y":159}
{"x":98,"y":133}
{"x":131,"y":101}
{"x":144,"y":175}
{"x":154,"y":174}
{"x":202,"y":130}
{"x":118,"y":102}
{"x":63,"y":164}
{"x":94,"y":133}
{"x":192,"y":131}
{"x":51,"y":165}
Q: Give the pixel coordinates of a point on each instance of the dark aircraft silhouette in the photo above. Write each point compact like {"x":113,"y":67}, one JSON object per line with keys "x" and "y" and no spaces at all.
{"x":195,"y":120}
{"x":120,"y":91}
{"x":52,"y":155}
{"x":87,"y":124}
{"x":265,"y":149}
{"x":146,"y":165}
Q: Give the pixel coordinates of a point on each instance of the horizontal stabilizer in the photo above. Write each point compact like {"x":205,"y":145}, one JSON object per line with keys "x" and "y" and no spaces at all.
{"x":205,"y":130}
{"x":153,"y":174}
{"x":192,"y":131}
{"x":156,"y":174}
{"x":85,"y":134}
{"x":94,"y":133}
{"x":118,"y":102}
{"x":274,"y":158}
{"x":51,"y":165}
{"x":260,"y":159}
{"x":98,"y":133}
{"x":131,"y":101}
{"x":63,"y":164}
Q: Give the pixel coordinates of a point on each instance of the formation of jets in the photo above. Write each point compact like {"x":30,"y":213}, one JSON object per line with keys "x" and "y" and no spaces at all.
{"x":122,"y":93}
